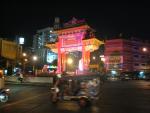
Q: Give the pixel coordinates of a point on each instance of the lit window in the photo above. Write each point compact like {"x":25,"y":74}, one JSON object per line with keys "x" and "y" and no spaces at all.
{"x":136,"y":56}
{"x":21,"y":40}
{"x":143,"y":64}
{"x":136,"y":64}
{"x":142,"y":56}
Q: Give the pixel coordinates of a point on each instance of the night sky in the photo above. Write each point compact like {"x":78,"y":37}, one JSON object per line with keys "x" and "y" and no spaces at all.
{"x":132,"y":19}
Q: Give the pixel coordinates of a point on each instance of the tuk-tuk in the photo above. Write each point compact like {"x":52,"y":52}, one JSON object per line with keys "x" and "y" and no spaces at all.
{"x":83,"y":92}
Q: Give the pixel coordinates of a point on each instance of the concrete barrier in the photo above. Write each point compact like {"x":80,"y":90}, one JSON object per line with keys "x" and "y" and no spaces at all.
{"x":39,"y":79}
{"x":30,"y":79}
{"x":11,"y":78}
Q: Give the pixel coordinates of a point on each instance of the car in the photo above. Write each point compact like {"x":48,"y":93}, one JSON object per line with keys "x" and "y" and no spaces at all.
{"x":125,"y":77}
{"x":112,"y":78}
{"x":147,"y":76}
{"x":129,"y":75}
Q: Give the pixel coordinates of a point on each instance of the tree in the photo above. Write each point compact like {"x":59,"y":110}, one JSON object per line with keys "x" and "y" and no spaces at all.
{"x":101,"y":66}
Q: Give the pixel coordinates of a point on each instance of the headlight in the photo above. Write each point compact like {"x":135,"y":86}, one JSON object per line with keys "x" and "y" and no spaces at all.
{"x":7,"y":90}
{"x":2,"y":96}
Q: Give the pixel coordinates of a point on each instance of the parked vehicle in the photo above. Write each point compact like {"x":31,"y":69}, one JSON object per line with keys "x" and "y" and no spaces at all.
{"x":129,"y":75}
{"x":147,"y":76}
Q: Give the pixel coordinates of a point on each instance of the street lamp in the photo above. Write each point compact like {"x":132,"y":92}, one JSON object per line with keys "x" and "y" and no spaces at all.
{"x":34,"y":58}
{"x":102,"y":58}
{"x":144,"y":49}
{"x":24,"y":54}
{"x":69,"y":61}
{"x":94,"y":57}
{"x":25,"y":59}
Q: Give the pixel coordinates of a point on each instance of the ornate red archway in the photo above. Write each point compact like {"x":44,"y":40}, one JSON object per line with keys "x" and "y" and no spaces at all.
{"x":73,"y":37}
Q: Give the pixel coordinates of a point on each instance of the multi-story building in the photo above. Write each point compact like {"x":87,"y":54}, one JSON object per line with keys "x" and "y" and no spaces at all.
{"x":126,"y":55}
{"x":141,"y":55}
{"x":42,"y":37}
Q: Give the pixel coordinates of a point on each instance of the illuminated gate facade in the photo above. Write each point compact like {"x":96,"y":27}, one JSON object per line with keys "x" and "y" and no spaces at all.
{"x":76,"y":35}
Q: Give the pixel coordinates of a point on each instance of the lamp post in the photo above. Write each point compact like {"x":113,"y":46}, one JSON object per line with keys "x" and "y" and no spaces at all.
{"x":102,"y":60}
{"x":24,"y":61}
{"x":34,"y":58}
{"x":145,"y":52}
{"x":24,"y":65}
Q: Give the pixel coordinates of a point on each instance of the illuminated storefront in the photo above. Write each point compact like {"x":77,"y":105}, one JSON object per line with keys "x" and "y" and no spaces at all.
{"x":75,"y":36}
{"x":51,"y":56}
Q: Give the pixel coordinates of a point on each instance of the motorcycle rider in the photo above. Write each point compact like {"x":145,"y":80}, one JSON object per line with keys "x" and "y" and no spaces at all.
{"x":55,"y":90}
{"x":20,"y":78}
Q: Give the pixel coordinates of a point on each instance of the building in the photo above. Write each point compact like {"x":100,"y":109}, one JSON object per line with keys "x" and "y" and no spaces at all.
{"x":41,"y":38}
{"x":126,"y":55}
{"x":141,"y":55}
{"x":10,"y":53}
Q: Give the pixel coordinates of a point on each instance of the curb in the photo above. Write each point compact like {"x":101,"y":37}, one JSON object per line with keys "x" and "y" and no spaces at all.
{"x":29,"y":83}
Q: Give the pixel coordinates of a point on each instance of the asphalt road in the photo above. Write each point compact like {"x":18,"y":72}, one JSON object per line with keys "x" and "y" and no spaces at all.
{"x":115,"y":97}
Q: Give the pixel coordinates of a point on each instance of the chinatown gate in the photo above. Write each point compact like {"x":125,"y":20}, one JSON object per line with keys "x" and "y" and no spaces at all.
{"x":75,"y":36}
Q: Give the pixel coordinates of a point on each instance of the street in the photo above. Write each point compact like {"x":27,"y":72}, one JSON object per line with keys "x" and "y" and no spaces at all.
{"x":115,"y":97}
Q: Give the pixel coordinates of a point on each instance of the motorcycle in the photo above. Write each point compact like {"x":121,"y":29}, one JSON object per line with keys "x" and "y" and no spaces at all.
{"x":54,"y":94}
{"x":4,"y":95}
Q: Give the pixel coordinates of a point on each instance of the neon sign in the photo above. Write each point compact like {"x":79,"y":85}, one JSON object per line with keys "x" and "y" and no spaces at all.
{"x":71,"y":40}
{"x":75,"y":48}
